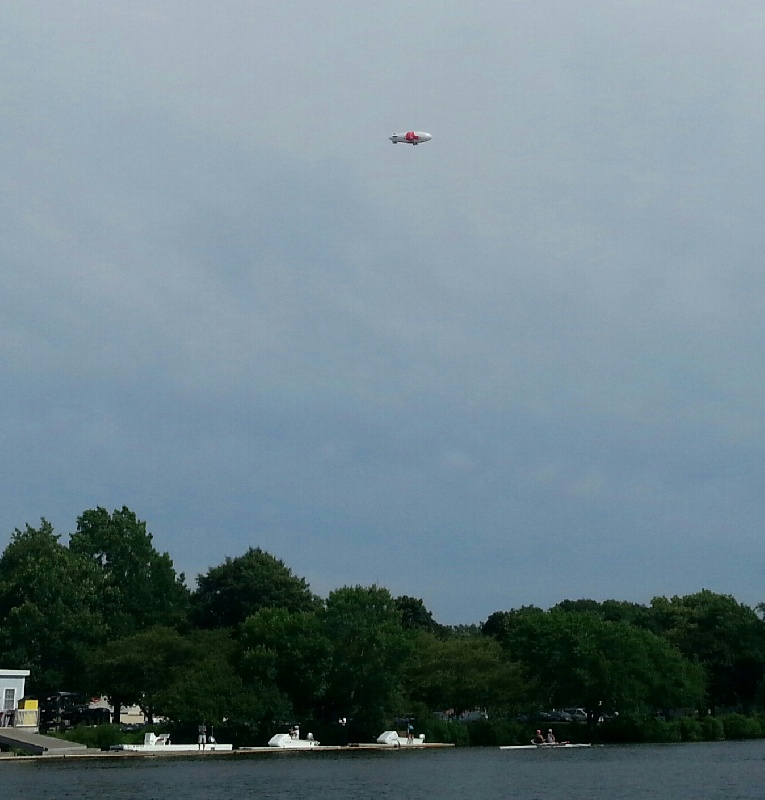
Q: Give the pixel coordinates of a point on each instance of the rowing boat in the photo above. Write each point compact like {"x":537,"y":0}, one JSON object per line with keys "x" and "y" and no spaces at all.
{"x":545,"y":746}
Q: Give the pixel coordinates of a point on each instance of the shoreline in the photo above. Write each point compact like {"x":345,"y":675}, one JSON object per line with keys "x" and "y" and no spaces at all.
{"x":92,"y":753}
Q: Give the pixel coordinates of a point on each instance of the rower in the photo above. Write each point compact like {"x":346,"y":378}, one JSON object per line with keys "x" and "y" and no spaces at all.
{"x":538,"y":738}
{"x":551,"y":737}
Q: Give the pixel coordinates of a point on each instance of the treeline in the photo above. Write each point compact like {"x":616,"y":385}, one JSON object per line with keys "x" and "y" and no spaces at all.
{"x":251,"y":648}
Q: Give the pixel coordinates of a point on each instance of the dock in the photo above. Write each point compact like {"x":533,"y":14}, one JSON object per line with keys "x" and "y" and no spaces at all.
{"x":345,"y":748}
{"x":70,"y":750}
{"x":37,"y":744}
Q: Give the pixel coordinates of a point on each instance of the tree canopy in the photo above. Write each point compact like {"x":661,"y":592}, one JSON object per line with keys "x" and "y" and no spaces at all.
{"x":140,"y":587}
{"x":576,"y":658}
{"x":291,"y":651}
{"x":49,"y":608}
{"x":254,"y":649}
{"x":463,"y":674}
{"x":370,"y":651}
{"x":724,"y":636}
{"x":241,"y":586}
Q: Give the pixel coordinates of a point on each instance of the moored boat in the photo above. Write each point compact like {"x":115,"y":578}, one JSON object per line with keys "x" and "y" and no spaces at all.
{"x":287,"y":742}
{"x":393,"y":739}
{"x":153,"y":743}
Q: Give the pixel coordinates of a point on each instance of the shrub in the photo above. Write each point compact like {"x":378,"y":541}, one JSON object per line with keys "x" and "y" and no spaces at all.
{"x":638,"y":728}
{"x":656,"y":729}
{"x":509,"y":731}
{"x":457,"y":734}
{"x":635,"y":728}
{"x":737,"y":726}
{"x":690,"y":729}
{"x":712,"y":728}
{"x":483,"y":733}
{"x":438,"y":730}
{"x":101,"y":737}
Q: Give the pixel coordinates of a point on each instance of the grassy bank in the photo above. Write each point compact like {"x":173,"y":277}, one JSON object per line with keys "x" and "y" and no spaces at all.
{"x":626,"y":729}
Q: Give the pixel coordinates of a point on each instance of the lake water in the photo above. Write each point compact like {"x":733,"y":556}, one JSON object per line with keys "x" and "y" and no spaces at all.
{"x":730,"y":770}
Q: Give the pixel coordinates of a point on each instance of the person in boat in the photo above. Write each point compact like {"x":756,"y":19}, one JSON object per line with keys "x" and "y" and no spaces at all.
{"x":538,"y":738}
{"x":551,"y":737}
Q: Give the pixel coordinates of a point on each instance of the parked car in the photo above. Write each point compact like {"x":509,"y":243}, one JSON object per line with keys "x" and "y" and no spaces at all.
{"x":577,"y":714}
{"x":555,"y":716}
{"x":63,"y":710}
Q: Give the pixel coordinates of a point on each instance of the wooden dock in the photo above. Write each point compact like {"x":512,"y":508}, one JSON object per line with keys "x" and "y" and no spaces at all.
{"x":71,"y":750}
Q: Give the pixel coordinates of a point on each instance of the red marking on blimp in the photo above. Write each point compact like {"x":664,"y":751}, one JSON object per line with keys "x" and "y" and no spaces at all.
{"x":411,"y":137}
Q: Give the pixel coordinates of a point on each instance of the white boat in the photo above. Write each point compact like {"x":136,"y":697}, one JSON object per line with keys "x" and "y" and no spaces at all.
{"x":287,"y":742}
{"x":544,"y":746}
{"x":153,"y":743}
{"x":394,"y":740}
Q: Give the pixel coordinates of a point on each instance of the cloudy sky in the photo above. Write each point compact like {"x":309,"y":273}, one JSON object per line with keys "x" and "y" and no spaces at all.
{"x":517,"y":364}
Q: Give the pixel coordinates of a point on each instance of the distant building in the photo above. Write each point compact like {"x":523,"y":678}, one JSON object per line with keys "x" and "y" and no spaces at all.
{"x":15,"y":711}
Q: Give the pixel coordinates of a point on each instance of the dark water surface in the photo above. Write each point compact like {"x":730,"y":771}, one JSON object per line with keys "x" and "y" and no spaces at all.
{"x":730,"y":770}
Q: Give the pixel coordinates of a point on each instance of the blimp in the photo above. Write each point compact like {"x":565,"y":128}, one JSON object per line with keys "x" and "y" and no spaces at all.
{"x":410,"y":137}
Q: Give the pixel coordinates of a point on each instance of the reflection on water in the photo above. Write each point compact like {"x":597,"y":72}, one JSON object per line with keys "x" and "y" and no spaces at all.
{"x":730,"y":770}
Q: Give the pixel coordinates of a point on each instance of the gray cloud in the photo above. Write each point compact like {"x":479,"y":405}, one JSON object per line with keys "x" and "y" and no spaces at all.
{"x":517,"y":364}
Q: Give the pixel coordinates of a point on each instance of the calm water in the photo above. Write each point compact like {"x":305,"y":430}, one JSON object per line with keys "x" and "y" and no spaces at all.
{"x":733,"y":771}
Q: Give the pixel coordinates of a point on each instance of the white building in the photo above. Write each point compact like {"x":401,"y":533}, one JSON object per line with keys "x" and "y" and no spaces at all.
{"x":11,"y":693}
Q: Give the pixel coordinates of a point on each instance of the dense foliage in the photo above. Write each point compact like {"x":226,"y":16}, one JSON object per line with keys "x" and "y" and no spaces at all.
{"x":251,"y":649}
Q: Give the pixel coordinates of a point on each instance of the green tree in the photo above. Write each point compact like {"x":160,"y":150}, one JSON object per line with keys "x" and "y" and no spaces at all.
{"x":208,"y":687}
{"x":415,"y":616}
{"x":611,"y":611}
{"x":370,"y":651}
{"x":472,"y":630}
{"x":464,"y":673}
{"x":289,"y":650}
{"x":49,"y":613}
{"x":140,"y":588}
{"x":232,"y":591}
{"x":577,"y":659}
{"x":502,"y":624}
{"x":189,"y":678}
{"x":726,"y":637}
{"x":137,"y":669}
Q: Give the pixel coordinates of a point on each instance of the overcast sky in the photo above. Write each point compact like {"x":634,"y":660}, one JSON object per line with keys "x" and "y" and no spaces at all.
{"x":520,"y":363}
